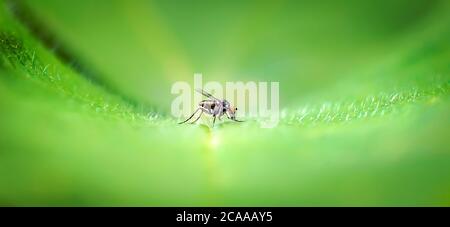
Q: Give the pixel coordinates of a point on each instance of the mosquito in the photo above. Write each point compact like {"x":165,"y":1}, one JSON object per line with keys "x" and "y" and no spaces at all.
{"x":215,"y":107}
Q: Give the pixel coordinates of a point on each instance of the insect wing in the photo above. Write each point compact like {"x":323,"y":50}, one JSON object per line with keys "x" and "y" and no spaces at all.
{"x":206,"y":94}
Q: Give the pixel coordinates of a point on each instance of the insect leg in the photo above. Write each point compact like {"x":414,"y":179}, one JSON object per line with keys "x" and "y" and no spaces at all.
{"x":190,"y":116}
{"x":214,"y":121}
{"x":197,"y":118}
{"x":228,"y":116}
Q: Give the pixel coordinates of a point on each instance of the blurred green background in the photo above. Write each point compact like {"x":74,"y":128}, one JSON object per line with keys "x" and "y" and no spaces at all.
{"x":85,"y":102}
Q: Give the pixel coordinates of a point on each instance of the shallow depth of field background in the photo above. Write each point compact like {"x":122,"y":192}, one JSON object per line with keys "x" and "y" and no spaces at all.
{"x":85,"y":103}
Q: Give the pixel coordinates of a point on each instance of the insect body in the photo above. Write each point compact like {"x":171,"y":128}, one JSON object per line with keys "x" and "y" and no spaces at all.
{"x":214,"y":107}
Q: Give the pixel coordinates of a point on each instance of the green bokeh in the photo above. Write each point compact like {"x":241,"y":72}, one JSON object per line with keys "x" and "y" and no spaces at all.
{"x":363,"y":85}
